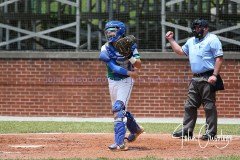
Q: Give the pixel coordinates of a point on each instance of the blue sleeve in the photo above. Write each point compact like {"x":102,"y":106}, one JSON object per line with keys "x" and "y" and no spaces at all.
{"x":216,"y":48}
{"x":117,"y":69}
{"x":104,"y":56}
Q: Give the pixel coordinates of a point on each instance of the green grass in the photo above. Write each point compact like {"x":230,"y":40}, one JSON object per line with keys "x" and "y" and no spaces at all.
{"x":52,"y":127}
{"x":97,"y":127}
{"x":216,"y":158}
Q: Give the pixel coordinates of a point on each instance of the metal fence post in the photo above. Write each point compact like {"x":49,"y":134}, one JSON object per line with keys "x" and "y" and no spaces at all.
{"x":78,"y":25}
{"x":163,"y":13}
{"x":110,"y":9}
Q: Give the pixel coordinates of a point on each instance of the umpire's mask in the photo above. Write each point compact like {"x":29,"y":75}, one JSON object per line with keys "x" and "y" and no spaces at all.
{"x":198,"y":26}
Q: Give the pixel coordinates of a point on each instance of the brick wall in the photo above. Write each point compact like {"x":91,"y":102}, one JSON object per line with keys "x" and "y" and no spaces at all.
{"x":78,"y":88}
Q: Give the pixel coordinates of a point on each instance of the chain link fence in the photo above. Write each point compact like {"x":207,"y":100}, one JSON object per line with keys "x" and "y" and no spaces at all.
{"x":78,"y":24}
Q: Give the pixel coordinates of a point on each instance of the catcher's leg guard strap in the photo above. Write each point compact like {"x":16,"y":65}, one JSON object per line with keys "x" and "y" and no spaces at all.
{"x":119,"y":126}
{"x":132,"y":125}
{"x":119,"y":110}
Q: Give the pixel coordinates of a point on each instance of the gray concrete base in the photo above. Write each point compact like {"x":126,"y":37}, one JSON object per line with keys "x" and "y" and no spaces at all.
{"x":141,"y":120}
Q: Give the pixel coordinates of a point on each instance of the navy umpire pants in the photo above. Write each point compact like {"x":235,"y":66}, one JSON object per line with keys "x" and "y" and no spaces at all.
{"x":200,"y":92}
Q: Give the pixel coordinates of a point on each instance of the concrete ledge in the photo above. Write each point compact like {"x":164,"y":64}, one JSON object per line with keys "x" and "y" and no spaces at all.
{"x":107,"y":119}
{"x":48,"y":55}
{"x":94,"y":55}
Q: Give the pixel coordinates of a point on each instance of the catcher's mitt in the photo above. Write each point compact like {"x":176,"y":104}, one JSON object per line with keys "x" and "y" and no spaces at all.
{"x":124,"y":45}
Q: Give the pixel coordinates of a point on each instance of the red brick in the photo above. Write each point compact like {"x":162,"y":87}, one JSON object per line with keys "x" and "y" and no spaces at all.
{"x":74,"y":88}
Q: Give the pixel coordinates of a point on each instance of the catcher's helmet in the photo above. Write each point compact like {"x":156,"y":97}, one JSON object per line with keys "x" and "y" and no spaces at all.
{"x":114,"y":30}
{"x":201,"y":24}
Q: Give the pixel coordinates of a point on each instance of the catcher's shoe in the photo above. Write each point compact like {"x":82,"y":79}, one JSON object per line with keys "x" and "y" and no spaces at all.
{"x":133,"y":136}
{"x":115,"y":147}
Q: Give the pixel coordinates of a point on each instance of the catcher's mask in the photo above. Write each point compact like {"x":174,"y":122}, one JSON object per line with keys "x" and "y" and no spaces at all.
{"x":198,"y":26}
{"x":114,"y":30}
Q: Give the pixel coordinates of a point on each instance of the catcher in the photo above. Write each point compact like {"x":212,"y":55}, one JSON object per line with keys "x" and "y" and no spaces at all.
{"x":123,"y":61}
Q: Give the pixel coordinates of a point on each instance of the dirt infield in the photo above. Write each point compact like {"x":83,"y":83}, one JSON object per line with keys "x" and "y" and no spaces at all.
{"x":85,"y":145}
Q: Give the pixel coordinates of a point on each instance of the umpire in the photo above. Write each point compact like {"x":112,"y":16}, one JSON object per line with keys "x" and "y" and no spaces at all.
{"x":206,"y":57}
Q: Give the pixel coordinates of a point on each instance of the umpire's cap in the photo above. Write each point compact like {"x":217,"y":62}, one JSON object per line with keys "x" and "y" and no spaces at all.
{"x":199,"y":22}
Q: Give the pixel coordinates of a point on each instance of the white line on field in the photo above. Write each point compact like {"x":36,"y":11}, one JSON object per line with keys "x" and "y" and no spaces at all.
{"x":2,"y":152}
{"x":26,"y":146}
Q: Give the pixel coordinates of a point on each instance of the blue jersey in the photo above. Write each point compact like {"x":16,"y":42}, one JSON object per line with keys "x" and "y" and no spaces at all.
{"x":110,"y":54}
{"x":202,"y":53}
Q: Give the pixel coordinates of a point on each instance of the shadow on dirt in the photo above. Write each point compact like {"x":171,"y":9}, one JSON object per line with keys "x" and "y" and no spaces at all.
{"x":139,"y":148}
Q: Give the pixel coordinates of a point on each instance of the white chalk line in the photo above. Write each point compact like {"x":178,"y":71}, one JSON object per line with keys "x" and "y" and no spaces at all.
{"x":26,"y":146}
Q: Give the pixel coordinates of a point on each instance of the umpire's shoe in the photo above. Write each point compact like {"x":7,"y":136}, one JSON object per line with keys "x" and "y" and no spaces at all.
{"x":182,"y":134}
{"x":208,"y":136}
{"x":133,"y":136}
{"x":115,"y":147}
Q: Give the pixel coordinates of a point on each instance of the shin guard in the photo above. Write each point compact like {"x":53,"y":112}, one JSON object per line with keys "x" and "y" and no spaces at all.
{"x":119,"y":124}
{"x":119,"y":131}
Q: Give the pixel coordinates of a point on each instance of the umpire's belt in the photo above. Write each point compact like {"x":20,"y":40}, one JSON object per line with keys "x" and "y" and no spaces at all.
{"x":204,"y":74}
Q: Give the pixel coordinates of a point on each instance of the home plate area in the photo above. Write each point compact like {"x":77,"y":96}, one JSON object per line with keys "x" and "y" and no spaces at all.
{"x":95,"y":145}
